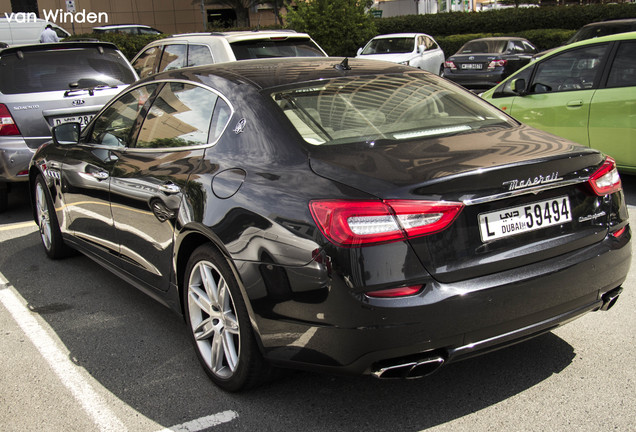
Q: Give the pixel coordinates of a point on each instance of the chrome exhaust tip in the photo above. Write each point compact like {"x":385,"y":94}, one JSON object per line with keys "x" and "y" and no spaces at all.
{"x":409,"y":369}
{"x":610,"y":298}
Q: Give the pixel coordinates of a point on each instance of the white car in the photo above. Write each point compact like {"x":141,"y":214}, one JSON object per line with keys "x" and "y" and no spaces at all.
{"x":412,"y":49}
{"x":197,"y":49}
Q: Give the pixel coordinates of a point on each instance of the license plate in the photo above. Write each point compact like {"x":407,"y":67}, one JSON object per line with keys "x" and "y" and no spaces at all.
{"x":518,"y":220}
{"x":472,"y":66}
{"x":82,"y":120}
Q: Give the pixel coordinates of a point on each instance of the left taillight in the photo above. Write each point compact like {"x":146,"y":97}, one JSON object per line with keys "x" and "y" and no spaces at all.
{"x":606,"y":179}
{"x":352,"y":223}
{"x":7,"y":124}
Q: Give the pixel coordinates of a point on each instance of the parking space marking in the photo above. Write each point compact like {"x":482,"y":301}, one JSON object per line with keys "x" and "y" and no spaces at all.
{"x":19,"y":225}
{"x":67,"y":372}
{"x":203,"y":422}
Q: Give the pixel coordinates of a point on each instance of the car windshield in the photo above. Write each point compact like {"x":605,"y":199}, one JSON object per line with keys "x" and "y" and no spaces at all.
{"x":390,"y":46}
{"x":275,"y":47}
{"x":52,"y":70}
{"x":484,"y":46}
{"x":384,"y":107}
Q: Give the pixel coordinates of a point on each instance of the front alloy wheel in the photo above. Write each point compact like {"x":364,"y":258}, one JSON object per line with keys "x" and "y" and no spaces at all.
{"x":50,"y":233}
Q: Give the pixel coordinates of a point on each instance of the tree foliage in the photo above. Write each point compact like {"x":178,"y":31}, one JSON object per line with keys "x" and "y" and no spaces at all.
{"x":340,"y":27}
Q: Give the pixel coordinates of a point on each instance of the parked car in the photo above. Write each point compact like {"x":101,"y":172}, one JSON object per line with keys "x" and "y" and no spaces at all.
{"x":340,"y":215}
{"x":47,"y":84}
{"x":584,"y":92}
{"x":135,"y":29}
{"x":196,"y":49}
{"x":412,"y":49}
{"x":483,"y":63}
{"x":598,"y":29}
{"x":27,"y":32}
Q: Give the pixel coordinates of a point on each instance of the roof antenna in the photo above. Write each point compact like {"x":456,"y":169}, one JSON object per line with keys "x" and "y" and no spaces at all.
{"x":344,"y":65}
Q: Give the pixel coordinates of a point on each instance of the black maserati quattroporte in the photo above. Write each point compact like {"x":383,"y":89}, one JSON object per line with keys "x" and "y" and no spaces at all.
{"x":336,"y":215}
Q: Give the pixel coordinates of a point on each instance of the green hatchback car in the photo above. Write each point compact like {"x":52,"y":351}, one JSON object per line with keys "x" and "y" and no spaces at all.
{"x":585,"y":92}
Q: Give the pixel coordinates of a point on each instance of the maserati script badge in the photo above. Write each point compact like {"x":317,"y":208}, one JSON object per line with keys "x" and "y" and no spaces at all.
{"x":539,"y":180}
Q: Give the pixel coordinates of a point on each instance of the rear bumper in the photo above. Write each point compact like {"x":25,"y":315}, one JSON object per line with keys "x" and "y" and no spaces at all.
{"x":455,"y":321}
{"x":15,"y":157}
{"x":475,"y":80}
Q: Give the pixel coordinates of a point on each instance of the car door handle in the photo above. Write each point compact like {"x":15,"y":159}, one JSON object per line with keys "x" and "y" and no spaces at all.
{"x":574,"y":103}
{"x":169,"y":188}
{"x":98,"y":175}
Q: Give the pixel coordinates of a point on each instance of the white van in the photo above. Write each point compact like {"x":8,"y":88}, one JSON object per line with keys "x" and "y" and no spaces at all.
{"x":26,"y":32}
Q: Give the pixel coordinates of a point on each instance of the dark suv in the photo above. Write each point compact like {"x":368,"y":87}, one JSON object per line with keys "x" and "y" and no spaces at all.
{"x":48,"y":84}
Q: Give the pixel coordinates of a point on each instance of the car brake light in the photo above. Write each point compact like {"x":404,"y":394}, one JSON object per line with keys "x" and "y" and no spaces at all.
{"x":497,"y":63}
{"x":606,"y":179}
{"x":7,"y":125}
{"x":449,"y":64}
{"x":362,"y":223}
{"x":395,"y":292}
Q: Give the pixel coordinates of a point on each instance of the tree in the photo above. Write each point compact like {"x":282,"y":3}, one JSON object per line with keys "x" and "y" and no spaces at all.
{"x":339,"y":26}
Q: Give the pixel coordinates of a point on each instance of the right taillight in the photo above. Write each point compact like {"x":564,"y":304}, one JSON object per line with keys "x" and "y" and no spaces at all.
{"x":353,"y":223}
{"x":606,"y":179}
{"x":7,"y":125}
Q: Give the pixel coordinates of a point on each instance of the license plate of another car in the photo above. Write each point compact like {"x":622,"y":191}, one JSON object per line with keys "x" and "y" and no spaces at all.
{"x":471,"y":66}
{"x":518,"y":220}
{"x":82,"y":119}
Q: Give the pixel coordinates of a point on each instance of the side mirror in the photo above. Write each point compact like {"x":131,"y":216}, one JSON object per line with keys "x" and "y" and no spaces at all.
{"x":359,"y":51}
{"x":421,"y":48}
{"x":66,"y":133}
{"x":518,"y":86}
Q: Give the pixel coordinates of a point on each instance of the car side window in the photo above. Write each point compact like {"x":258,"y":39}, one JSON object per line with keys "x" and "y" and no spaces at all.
{"x":623,"y":71}
{"x":199,"y":55}
{"x":528,"y":48}
{"x":179,"y":116}
{"x":173,"y":57}
{"x":220,"y":119}
{"x":114,"y":126}
{"x":145,"y":63}
{"x":575,"y":69}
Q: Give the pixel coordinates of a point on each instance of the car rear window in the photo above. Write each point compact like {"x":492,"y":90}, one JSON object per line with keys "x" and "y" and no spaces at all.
{"x":52,"y":70}
{"x":396,"y":45}
{"x":484,"y":46}
{"x":384,"y":108}
{"x":275,"y":47}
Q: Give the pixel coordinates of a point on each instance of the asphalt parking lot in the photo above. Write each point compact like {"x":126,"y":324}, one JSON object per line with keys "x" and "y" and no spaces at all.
{"x":82,"y":350}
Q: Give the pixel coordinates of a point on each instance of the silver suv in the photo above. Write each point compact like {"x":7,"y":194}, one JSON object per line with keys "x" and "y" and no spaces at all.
{"x":197,"y":49}
{"x":48,"y":84}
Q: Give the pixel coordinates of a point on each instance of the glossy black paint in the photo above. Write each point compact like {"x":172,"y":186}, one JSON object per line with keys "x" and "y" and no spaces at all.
{"x":248,"y":195}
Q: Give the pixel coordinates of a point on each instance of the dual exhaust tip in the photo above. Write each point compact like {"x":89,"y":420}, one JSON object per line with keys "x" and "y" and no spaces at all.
{"x":411,"y":368}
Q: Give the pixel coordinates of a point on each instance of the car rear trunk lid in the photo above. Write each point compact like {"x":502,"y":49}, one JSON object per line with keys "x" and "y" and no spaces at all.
{"x":498,"y":176}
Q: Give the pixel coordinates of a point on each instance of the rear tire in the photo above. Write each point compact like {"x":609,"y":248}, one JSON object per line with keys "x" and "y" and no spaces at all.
{"x":219,"y":324}
{"x":46,"y":219}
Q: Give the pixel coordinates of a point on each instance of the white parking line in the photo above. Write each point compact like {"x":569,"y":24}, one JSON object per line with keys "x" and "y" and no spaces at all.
{"x":203,"y":422}
{"x":59,"y":362}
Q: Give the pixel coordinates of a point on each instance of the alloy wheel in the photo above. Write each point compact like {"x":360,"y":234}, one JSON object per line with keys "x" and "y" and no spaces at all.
{"x":44,"y":218}
{"x":213,"y":319}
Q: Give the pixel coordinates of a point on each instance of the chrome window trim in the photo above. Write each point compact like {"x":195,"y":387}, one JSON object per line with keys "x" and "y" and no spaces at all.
{"x":184,"y":148}
{"x":533,"y":190}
